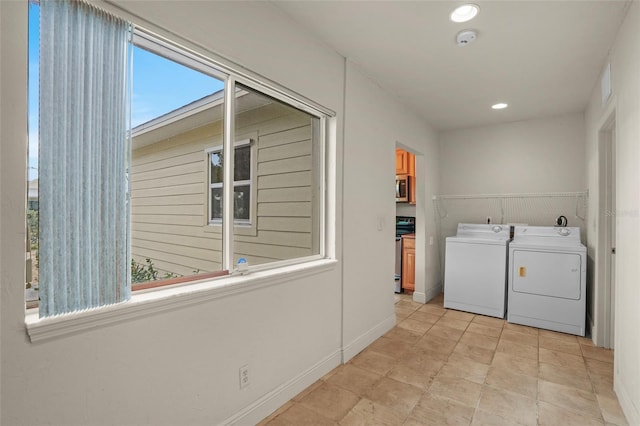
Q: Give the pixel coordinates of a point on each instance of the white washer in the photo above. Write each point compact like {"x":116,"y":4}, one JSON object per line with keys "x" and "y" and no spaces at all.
{"x":547,"y":279}
{"x":475,"y":269}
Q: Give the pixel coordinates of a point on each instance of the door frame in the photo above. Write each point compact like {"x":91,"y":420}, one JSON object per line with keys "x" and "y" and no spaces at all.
{"x":605,"y":283}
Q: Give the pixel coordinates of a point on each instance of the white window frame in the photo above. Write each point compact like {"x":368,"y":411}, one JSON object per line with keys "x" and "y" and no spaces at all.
{"x":251,"y":182}
{"x":160,"y":299}
{"x":232,"y":75}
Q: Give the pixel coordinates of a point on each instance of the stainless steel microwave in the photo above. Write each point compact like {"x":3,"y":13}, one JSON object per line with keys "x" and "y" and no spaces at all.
{"x":402,"y":188}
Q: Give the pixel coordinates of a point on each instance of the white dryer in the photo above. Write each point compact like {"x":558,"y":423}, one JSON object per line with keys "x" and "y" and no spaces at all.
{"x":547,"y":279}
{"x":475,"y":271}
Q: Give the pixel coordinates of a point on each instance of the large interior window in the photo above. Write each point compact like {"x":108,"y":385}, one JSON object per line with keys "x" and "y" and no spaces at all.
{"x":179,"y":106}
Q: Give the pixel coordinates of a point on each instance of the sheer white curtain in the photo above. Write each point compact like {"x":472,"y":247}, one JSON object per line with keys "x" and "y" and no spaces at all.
{"x":84,"y":153}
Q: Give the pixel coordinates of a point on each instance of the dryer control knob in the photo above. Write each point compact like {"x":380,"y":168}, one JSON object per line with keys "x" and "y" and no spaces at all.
{"x":497,"y":229}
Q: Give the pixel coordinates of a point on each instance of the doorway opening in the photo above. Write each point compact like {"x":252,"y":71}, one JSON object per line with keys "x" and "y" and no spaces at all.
{"x":410,"y":224}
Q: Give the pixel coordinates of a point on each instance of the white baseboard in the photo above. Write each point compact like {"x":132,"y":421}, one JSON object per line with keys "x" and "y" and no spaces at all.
{"x":364,"y":340}
{"x":420,"y":297}
{"x":433,"y":292}
{"x":428,"y":295}
{"x":267,"y":404}
{"x":273,"y":400}
{"x":630,"y":410}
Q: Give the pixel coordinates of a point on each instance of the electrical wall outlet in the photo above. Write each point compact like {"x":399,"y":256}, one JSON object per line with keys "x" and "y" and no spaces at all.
{"x":244,"y":376}
{"x":488,"y":219}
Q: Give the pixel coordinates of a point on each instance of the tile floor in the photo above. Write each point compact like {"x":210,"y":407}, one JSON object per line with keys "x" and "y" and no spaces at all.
{"x":445,"y":367}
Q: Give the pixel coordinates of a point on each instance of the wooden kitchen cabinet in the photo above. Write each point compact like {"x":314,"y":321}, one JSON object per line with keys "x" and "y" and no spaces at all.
{"x":402,"y":162}
{"x":411,"y":164}
{"x":405,"y":163}
{"x":409,"y":263}
{"x":412,"y":190}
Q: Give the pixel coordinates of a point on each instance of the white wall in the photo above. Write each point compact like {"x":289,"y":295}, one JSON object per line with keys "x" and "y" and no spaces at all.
{"x":625,"y":76}
{"x":375,"y":123}
{"x":544,"y":155}
{"x":175,"y":367}
{"x":2,"y":24}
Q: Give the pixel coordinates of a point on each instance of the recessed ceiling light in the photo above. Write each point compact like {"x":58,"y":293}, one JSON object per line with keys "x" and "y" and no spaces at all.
{"x":501,"y":105}
{"x":464,"y":13}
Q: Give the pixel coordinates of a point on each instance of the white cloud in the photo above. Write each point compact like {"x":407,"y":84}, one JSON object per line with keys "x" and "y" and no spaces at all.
{"x":33,"y":143}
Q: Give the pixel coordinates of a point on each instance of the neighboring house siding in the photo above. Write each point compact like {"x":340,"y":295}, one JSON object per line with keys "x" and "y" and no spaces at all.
{"x":169,"y":181}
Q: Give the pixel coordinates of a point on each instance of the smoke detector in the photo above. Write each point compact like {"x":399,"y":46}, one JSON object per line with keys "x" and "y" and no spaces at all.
{"x":465,"y":37}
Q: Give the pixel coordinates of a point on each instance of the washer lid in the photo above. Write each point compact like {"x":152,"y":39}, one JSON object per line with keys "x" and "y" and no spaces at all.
{"x":483,"y":231}
{"x":475,"y":240}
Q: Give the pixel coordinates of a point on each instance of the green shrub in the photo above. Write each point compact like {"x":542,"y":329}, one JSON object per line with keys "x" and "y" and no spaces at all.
{"x":144,"y":272}
{"x":33,"y":224}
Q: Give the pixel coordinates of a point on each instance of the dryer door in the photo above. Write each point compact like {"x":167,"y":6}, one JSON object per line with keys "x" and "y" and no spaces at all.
{"x":546,"y":273}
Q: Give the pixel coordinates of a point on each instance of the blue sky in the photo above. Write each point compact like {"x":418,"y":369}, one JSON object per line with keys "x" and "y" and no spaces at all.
{"x":159,"y":86}
{"x":34,"y":51}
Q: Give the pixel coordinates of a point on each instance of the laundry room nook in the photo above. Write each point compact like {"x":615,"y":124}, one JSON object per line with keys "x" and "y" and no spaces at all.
{"x":520,"y":263}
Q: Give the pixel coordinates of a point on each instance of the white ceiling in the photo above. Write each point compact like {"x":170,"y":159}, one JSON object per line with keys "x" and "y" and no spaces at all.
{"x":543,"y":58}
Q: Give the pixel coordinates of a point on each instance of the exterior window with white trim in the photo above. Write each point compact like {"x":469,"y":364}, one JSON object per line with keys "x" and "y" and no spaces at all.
{"x":242,"y":183}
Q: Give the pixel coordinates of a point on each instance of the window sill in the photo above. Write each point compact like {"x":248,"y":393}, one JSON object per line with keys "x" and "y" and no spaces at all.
{"x":242,"y":229}
{"x":167,"y":299}
{"x":178,"y":280}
